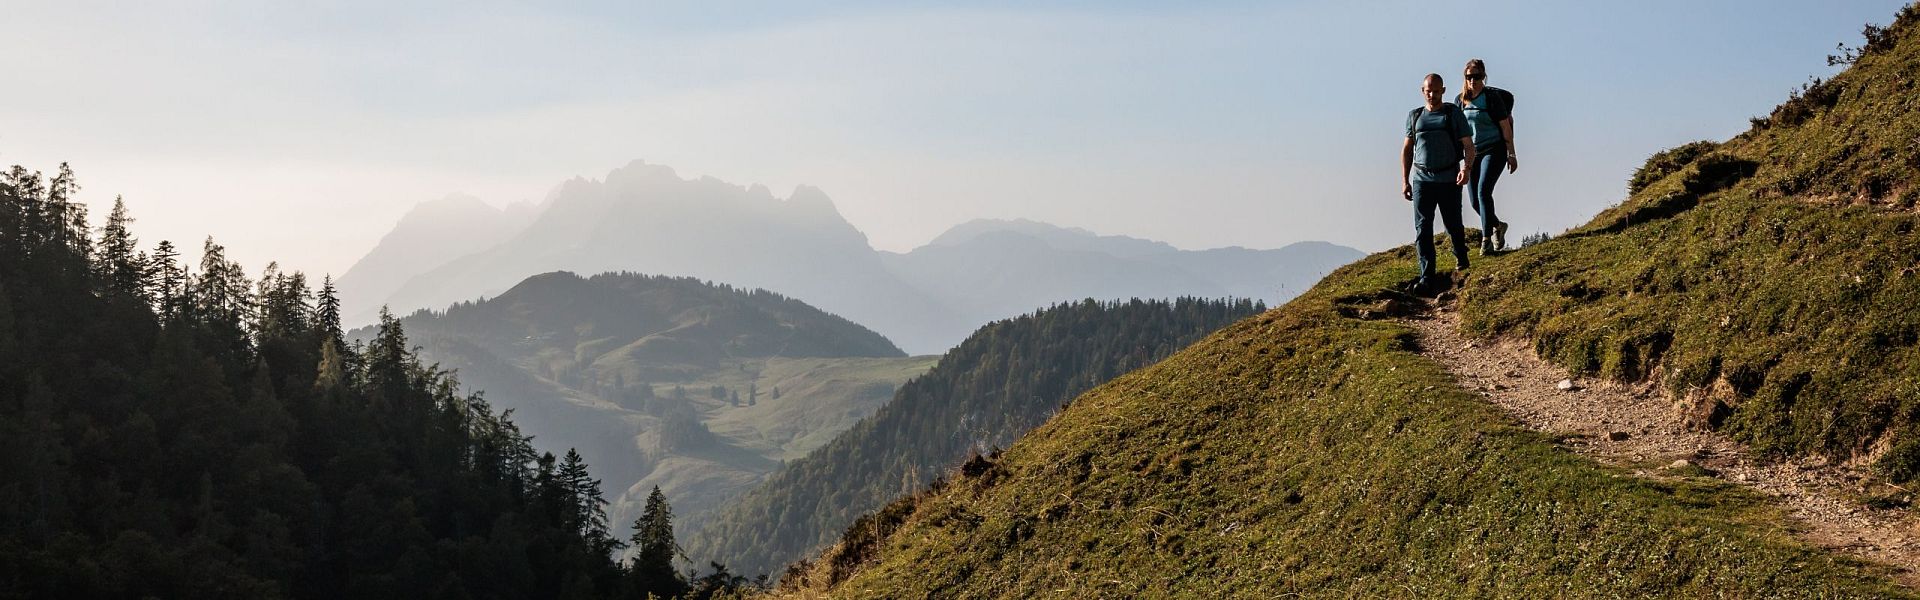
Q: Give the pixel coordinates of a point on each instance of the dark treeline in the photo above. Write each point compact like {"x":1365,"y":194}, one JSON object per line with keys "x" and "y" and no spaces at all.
{"x":174,"y":432}
{"x":1003,"y":381}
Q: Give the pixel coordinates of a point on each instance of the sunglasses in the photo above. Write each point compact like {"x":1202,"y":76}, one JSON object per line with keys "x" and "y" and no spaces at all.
{"x":1476,"y":76}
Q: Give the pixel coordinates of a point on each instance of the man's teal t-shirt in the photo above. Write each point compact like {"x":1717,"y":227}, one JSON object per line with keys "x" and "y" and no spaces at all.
{"x":1486,"y":129}
{"x":1433,"y":133}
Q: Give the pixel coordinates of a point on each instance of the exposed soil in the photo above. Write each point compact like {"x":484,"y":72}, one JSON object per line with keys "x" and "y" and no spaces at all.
{"x":1637,"y":427}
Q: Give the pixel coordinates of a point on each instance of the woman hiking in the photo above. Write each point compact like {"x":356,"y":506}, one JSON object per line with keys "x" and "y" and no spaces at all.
{"x":1489,"y":113}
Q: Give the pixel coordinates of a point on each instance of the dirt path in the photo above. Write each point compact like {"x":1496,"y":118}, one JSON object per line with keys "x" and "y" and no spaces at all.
{"x":1635,"y":427}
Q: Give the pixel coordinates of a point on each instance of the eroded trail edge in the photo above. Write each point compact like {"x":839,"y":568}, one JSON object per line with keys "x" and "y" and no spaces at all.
{"x":1635,"y":427}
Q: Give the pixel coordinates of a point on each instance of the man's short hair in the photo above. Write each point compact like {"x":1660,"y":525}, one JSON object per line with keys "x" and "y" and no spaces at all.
{"x":1436,"y":79}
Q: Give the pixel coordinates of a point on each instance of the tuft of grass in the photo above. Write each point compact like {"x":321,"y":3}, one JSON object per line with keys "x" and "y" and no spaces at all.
{"x":1666,"y":162}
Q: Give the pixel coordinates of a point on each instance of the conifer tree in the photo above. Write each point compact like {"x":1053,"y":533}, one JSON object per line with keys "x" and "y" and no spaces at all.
{"x":223,"y":296}
{"x":122,"y":269}
{"x":587,"y":514}
{"x":327,"y":311}
{"x":167,"y":282}
{"x":652,"y":571}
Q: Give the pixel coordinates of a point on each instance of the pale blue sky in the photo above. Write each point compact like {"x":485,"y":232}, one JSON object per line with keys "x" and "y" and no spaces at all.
{"x":300,"y":133}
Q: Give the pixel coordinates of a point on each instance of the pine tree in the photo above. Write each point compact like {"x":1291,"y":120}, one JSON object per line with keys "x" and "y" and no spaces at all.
{"x":283,"y":309}
{"x":123,"y":270}
{"x":652,"y":571}
{"x":166,"y":282}
{"x":224,"y":297}
{"x":327,"y":311}
{"x":587,"y":514}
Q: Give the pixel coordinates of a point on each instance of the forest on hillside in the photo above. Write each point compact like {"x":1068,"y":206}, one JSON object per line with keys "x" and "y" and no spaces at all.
{"x":179,"y":432}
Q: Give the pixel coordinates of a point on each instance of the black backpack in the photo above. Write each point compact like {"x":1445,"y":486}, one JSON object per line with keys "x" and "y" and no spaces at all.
{"x":1496,"y":97}
{"x":1449,"y":112}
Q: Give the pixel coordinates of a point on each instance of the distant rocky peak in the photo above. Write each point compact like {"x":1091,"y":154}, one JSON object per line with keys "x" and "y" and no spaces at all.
{"x":807,"y":199}
{"x":639,"y":172}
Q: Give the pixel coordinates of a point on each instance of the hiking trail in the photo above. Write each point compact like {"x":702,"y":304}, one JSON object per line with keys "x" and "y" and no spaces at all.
{"x":1635,"y":427}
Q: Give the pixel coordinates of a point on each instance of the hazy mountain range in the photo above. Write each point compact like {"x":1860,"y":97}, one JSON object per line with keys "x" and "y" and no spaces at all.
{"x":646,"y":218}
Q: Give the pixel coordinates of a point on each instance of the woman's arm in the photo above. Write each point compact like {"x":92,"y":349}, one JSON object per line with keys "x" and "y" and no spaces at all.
{"x":1506,"y":131}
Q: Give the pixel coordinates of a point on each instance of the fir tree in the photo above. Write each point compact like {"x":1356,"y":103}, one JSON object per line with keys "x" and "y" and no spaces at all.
{"x":587,"y":514}
{"x":123,"y":270}
{"x":652,"y":571}
{"x":166,"y":282}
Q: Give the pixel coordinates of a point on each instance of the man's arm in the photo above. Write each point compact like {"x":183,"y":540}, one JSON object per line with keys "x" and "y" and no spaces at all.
{"x":1406,"y":169}
{"x":1506,"y":131}
{"x":1466,"y":146}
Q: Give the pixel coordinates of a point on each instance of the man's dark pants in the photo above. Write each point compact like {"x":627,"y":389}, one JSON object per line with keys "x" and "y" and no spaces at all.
{"x":1446,"y":196}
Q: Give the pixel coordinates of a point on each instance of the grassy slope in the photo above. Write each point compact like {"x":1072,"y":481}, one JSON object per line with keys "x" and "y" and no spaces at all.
{"x":1781,"y":307}
{"x":837,"y":391}
{"x":1311,"y":451}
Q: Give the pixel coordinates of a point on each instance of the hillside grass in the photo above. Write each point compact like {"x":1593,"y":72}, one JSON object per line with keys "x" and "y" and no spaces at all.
{"x":1769,"y":283}
{"x":819,"y":399}
{"x":1313,"y":452}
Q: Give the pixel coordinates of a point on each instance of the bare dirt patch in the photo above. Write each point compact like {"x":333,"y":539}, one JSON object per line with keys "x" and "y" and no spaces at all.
{"x":1637,"y":427}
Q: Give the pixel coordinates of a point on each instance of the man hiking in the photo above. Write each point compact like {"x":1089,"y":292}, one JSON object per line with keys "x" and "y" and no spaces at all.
{"x":1438,"y":141}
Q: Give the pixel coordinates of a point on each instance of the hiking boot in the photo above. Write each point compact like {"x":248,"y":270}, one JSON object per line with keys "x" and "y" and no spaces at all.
{"x":1420,"y":288}
{"x":1500,"y":236}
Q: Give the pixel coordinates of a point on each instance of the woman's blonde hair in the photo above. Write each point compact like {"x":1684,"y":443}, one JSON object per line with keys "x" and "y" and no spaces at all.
{"x":1472,"y":64}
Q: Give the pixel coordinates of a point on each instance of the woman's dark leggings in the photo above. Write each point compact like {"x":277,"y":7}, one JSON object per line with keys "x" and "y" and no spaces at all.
{"x":1480,"y":181}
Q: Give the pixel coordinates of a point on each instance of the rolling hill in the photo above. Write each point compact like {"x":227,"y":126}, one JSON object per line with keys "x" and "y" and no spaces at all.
{"x":700,"y":389}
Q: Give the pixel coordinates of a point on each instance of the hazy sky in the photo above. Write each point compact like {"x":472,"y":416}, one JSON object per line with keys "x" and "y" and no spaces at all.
{"x":302,"y":131}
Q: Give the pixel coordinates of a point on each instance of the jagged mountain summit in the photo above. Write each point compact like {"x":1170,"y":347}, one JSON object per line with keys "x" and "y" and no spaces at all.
{"x":646,"y":218}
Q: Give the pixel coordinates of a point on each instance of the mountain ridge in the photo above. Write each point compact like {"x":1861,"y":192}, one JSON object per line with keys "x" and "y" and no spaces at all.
{"x":646,"y":218}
